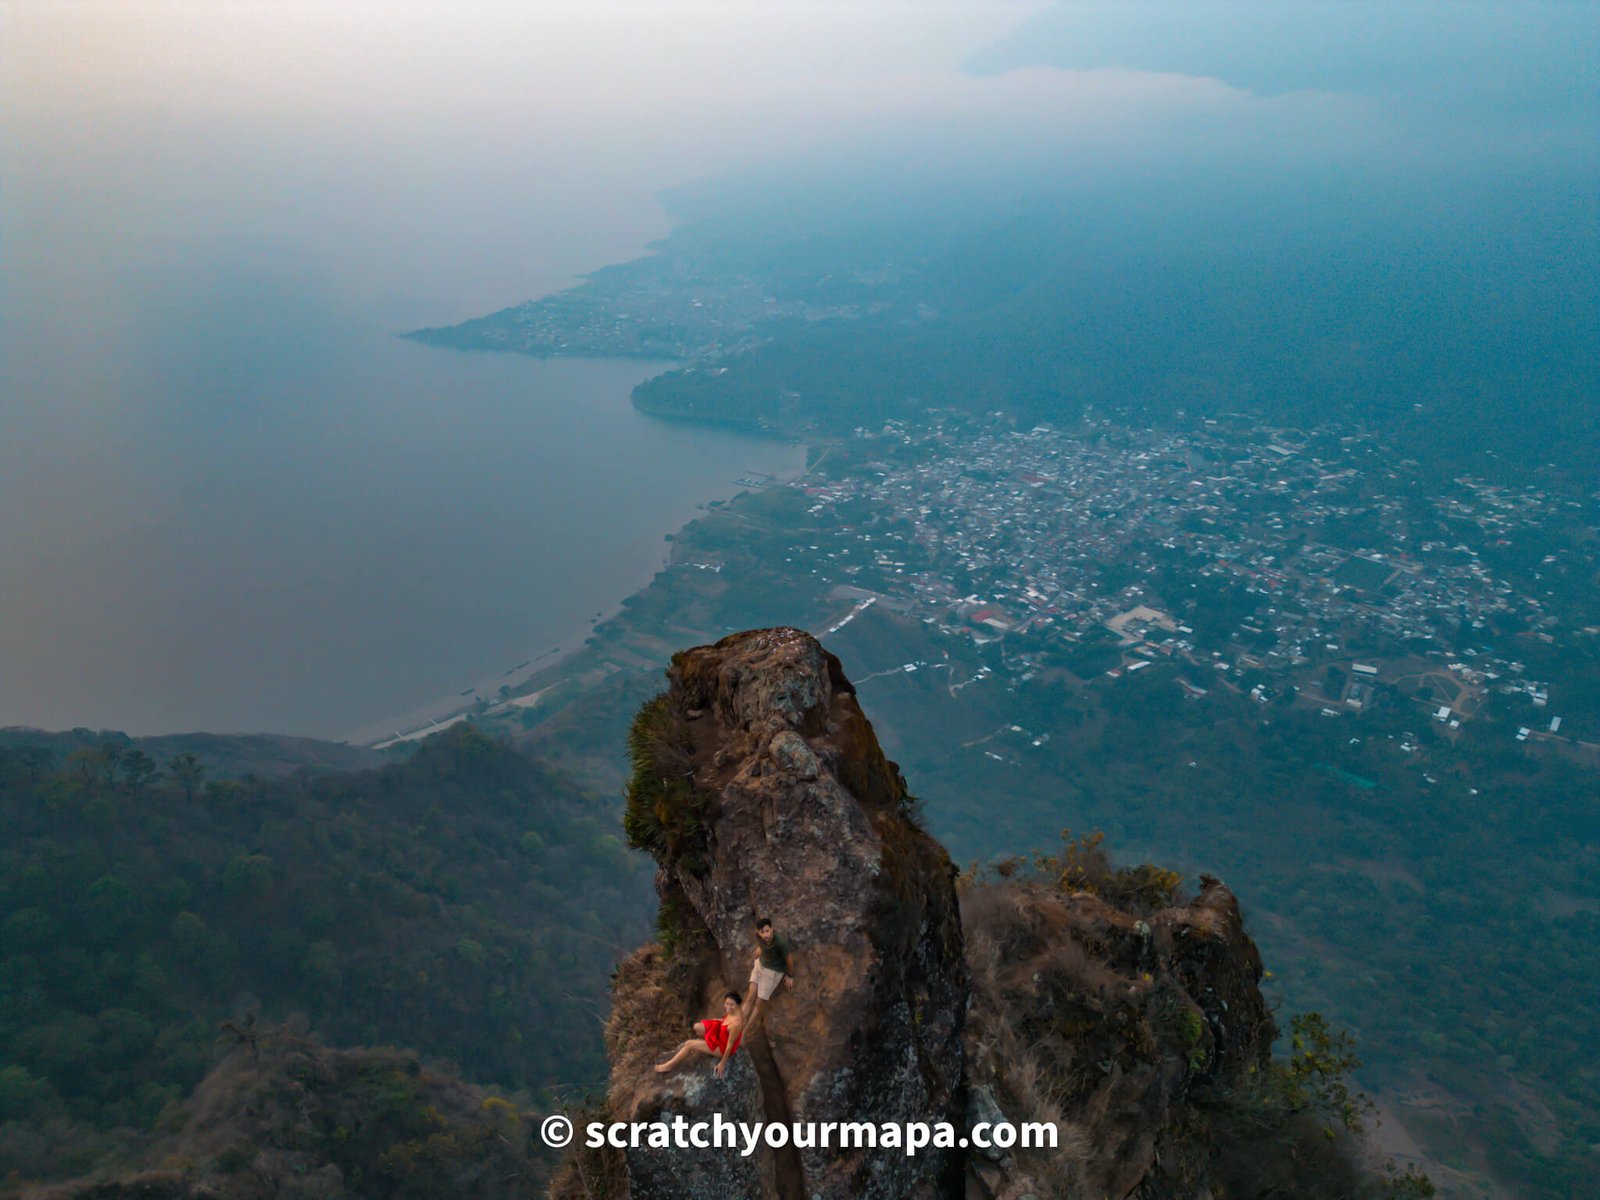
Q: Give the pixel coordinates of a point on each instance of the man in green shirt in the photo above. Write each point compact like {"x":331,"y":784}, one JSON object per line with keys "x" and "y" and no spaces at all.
{"x":769,"y":971}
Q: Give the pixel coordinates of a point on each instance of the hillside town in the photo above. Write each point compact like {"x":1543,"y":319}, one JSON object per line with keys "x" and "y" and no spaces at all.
{"x":1294,"y":566}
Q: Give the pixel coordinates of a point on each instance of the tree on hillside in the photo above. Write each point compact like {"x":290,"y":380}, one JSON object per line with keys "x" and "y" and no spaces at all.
{"x":34,"y":759}
{"x":138,"y":769}
{"x":88,"y":764}
{"x":243,"y":1033}
{"x":188,"y":771}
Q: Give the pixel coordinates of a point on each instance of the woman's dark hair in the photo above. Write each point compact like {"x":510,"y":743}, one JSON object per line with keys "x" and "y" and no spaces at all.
{"x":735,"y":997}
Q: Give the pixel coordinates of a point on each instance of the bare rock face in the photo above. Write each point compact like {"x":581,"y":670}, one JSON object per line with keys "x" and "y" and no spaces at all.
{"x":648,"y":1019}
{"x":761,"y":790}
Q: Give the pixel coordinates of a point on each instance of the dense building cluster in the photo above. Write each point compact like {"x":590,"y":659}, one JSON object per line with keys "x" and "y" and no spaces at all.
{"x":1263,"y":557}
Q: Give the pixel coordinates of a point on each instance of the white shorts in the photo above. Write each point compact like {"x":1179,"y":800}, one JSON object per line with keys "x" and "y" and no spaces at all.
{"x":765,"y":981}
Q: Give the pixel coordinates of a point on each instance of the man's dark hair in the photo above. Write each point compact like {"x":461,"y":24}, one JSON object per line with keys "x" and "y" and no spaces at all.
{"x":735,"y":997}
{"x":763,"y":922}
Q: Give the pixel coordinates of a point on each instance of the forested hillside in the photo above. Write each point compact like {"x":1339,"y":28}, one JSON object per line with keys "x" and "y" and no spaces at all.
{"x":465,"y":903}
{"x":1177,"y":297}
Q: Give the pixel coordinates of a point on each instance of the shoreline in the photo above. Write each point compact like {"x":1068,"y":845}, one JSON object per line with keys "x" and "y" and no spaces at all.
{"x":441,"y":713}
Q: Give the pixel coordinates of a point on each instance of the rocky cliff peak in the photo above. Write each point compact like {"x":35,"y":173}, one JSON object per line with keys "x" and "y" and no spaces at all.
{"x":1097,"y":1000}
{"x":761,"y":790}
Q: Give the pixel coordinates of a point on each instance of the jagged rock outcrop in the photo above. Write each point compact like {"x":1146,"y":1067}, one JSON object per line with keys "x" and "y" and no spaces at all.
{"x":762,"y":790}
{"x":1118,"y":1023}
{"x":1089,"y":998}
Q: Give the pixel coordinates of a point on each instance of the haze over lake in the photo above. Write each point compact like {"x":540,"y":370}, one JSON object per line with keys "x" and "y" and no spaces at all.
{"x":231,"y":498}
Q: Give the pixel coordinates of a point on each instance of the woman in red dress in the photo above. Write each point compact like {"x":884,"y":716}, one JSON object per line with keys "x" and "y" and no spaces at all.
{"x":717,"y":1036}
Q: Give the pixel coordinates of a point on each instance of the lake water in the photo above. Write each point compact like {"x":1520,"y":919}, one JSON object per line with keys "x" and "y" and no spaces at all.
{"x":390,"y":525}
{"x":230,"y":497}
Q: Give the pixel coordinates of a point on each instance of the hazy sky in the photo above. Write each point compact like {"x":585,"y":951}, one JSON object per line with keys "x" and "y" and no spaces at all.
{"x":417,"y":135}
{"x":414,"y":131}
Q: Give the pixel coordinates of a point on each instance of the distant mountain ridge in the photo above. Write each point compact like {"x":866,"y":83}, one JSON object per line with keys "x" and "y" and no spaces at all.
{"x":1372,"y":302}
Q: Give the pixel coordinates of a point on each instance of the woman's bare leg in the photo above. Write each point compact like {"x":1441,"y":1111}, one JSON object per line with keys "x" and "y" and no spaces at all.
{"x":686,"y":1049}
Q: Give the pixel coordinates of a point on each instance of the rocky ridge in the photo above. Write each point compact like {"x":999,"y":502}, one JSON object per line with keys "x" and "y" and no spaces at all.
{"x":763,"y":791}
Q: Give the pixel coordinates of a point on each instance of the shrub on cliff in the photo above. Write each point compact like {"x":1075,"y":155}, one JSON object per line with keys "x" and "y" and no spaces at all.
{"x":664,"y":813}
